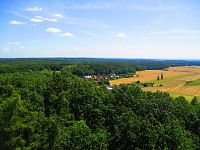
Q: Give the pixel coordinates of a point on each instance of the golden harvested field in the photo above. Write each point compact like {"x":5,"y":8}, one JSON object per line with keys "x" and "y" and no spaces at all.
{"x":174,"y":81}
{"x":189,"y":69}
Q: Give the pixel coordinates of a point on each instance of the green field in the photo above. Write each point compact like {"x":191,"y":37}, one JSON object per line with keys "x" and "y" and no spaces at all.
{"x":187,"y":97}
{"x":169,"y":81}
{"x":194,"y":83}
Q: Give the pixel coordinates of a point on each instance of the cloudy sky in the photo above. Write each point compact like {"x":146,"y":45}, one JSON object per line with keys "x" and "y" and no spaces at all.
{"x":100,"y":28}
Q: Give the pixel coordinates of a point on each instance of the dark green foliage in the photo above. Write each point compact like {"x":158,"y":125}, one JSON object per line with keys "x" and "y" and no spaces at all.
{"x":161,"y":76}
{"x":158,"y":77}
{"x":195,"y":101}
{"x":6,"y":91}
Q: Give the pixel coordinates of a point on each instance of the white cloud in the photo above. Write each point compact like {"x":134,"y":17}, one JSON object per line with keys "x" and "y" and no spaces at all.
{"x":19,"y":14}
{"x":88,"y":33}
{"x":68,"y":34}
{"x":179,"y":37}
{"x":36,"y":9}
{"x":121,"y":35}
{"x":41,"y":19}
{"x":5,"y":50}
{"x":36,"y":20}
{"x":157,"y":21}
{"x":46,"y":19}
{"x":53,"y":30}
{"x":16,"y":22}
{"x":177,"y":34}
{"x":58,"y":15}
{"x":14,"y":43}
{"x":120,"y":46}
{"x":175,"y":31}
{"x":123,"y":5}
{"x":86,"y":6}
{"x":76,"y":48}
{"x":87,"y":23}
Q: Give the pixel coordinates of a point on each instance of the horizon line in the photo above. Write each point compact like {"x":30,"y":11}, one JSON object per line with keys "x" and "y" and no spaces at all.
{"x":122,"y":58}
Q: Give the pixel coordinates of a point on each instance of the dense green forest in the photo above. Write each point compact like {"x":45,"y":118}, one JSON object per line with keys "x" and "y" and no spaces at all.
{"x":46,"y":104}
{"x":85,"y":66}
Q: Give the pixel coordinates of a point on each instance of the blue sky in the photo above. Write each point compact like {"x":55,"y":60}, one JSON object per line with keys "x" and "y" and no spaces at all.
{"x":100,"y":28}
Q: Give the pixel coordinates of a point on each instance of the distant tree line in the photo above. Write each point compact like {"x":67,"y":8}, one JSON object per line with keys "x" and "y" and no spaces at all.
{"x":81,"y":66}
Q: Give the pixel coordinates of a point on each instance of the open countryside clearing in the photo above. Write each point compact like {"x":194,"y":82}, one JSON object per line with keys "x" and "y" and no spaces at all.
{"x":174,"y":82}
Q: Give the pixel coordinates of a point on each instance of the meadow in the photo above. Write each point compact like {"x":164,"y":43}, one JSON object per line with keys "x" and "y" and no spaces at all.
{"x":178,"y":81}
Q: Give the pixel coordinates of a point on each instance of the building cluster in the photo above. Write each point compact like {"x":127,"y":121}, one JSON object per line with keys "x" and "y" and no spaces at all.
{"x":104,"y":79}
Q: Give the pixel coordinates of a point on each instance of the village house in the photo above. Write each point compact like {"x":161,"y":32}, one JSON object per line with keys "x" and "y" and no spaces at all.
{"x":88,"y":77}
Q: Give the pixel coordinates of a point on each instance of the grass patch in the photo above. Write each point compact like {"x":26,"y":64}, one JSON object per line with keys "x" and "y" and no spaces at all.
{"x":187,"y":97}
{"x":194,"y":83}
{"x":169,"y":79}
